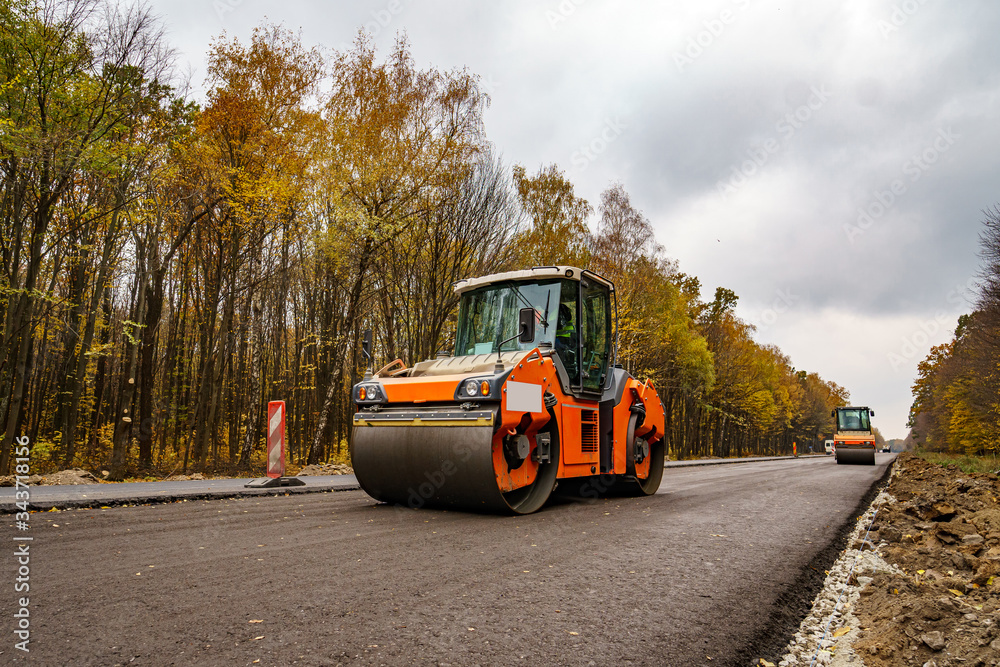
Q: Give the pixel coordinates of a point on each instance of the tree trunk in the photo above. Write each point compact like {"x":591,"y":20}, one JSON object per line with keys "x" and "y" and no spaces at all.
{"x":79,"y":373}
{"x":20,"y":328}
{"x":338,"y":356}
{"x":125,"y":415}
{"x":147,"y":375}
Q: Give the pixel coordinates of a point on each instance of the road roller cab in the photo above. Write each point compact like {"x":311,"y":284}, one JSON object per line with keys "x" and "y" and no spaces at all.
{"x":531,"y":398}
{"x":853,"y":439}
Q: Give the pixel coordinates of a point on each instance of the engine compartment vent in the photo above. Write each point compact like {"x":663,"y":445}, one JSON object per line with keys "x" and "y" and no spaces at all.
{"x":589,"y":437}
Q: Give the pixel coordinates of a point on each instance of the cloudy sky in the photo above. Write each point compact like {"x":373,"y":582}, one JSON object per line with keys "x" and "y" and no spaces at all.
{"x":828,"y":161}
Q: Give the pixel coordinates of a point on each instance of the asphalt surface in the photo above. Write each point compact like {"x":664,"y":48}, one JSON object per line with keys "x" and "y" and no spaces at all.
{"x":137,"y":493}
{"x":716,"y":569}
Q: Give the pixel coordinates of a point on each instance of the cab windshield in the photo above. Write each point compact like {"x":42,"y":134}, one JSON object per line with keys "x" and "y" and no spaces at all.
{"x":853,"y":419}
{"x":489,"y":315}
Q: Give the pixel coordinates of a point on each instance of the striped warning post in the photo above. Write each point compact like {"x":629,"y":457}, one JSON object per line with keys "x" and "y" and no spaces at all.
{"x":276,"y":439}
{"x":275,"y":451}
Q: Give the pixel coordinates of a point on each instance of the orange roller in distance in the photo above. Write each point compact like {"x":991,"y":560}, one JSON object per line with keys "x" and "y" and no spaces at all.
{"x":853,"y":438}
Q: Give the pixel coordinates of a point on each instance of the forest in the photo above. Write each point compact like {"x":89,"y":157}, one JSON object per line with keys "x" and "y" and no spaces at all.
{"x":171,"y":265}
{"x":956,"y":395}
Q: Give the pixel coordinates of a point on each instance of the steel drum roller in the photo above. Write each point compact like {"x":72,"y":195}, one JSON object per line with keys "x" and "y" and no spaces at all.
{"x":439,"y":466}
{"x":856,"y":455}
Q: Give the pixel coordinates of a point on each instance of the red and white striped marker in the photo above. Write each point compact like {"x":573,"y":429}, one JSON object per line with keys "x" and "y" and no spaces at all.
{"x":276,"y":439}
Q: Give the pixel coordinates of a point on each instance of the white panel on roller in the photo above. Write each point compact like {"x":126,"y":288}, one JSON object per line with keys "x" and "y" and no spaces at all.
{"x":524,"y":397}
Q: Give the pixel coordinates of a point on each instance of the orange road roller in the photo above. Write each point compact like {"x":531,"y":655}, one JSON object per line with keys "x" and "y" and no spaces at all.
{"x":530,"y":400}
{"x":853,"y":439}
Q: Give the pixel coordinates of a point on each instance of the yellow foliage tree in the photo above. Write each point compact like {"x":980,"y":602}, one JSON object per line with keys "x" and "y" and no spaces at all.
{"x":557,"y":231}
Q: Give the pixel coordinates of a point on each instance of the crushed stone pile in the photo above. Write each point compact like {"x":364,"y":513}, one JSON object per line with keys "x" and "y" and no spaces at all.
{"x":326,"y":469}
{"x":71,"y":476}
{"x":185,"y":478}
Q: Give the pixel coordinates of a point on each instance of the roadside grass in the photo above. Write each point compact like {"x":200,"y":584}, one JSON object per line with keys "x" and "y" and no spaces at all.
{"x":968,"y":464}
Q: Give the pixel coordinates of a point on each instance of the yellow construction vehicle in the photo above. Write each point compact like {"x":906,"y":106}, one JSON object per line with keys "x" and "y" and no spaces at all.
{"x":853,"y":440}
{"x":531,"y":398}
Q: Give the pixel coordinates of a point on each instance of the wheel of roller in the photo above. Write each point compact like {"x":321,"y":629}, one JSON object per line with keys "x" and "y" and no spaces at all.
{"x":856,"y":456}
{"x":462,"y":468}
{"x":526,"y":484}
{"x":642,"y":477}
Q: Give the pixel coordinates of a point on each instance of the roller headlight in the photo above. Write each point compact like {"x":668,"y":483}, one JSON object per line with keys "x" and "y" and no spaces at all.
{"x":369,"y":393}
{"x":475,"y":388}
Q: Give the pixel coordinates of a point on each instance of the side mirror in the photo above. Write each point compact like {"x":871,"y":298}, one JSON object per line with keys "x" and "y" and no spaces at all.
{"x":526,"y":325}
{"x":366,"y":350}
{"x":833,"y":413}
{"x":871,"y":413}
{"x":366,"y":344}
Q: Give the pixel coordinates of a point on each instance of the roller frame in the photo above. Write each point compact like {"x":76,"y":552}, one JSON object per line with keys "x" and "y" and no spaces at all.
{"x":446,"y":452}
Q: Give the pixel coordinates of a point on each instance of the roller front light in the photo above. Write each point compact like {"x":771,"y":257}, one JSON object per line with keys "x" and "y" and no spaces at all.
{"x":369,"y":393}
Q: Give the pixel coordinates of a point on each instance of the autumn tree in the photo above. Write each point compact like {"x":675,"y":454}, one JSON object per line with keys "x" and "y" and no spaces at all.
{"x":556,"y":231}
{"x":756,"y":396}
{"x":955,"y":395}
{"x":78,"y":74}
{"x":398,"y":140}
{"x":260,"y":134}
{"x":818,"y":399}
{"x":469,"y":232}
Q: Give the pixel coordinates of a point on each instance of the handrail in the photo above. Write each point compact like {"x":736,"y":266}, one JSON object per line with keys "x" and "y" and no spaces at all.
{"x":388,"y":366}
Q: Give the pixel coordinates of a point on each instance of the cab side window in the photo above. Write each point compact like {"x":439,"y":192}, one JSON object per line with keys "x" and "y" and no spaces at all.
{"x":567,"y":331}
{"x":596,"y":336}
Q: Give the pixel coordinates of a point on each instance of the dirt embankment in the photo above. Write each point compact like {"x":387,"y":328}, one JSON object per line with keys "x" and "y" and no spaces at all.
{"x":944,"y":533}
{"x":71,"y":476}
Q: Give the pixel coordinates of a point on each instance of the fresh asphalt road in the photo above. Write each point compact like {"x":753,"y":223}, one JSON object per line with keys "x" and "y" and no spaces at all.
{"x":712,"y":570}
{"x":139,"y":493}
